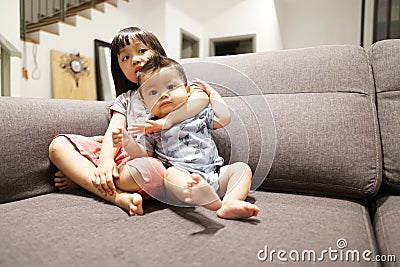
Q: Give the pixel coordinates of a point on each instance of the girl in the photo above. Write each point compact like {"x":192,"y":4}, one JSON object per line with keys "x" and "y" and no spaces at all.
{"x":93,"y":162}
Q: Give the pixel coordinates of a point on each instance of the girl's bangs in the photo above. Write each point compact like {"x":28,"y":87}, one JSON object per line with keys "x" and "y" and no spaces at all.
{"x":125,"y":38}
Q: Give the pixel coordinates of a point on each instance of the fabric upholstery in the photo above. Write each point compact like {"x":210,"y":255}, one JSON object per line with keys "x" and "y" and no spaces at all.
{"x":321,"y":102}
{"x":28,"y":127}
{"x":77,"y":229}
{"x":387,"y":80}
{"x":387,"y":227}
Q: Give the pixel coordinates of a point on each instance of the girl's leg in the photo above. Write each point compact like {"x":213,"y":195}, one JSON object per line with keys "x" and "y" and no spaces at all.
{"x":129,"y":180}
{"x":80,"y":170}
{"x":190,"y":188}
{"x":235,"y":181}
{"x":62,"y":182}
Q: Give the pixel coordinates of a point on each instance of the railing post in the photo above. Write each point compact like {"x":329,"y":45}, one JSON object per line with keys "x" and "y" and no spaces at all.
{"x":7,"y":50}
{"x":62,"y":7}
{"x":22,"y":26}
{"x":5,"y":73}
{"x":93,"y":3}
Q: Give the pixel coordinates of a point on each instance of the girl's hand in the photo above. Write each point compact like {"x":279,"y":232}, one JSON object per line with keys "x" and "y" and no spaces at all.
{"x":103,"y":177}
{"x":150,"y":126}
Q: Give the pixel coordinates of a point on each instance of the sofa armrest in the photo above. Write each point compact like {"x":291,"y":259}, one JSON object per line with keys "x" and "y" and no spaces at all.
{"x":28,"y":126}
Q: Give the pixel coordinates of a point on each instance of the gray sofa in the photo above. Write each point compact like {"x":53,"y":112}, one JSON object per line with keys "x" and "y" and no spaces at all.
{"x":320,"y":134}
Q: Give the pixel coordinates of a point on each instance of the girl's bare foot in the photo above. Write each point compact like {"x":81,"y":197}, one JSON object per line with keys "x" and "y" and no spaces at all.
{"x":201,"y":193}
{"x":237,"y":209}
{"x":132,"y":203}
{"x":62,"y":182}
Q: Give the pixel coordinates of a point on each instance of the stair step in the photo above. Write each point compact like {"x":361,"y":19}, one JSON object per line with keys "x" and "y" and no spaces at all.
{"x":51,"y":24}
{"x":113,"y":2}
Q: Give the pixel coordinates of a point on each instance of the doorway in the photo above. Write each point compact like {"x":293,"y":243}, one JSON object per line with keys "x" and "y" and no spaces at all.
{"x":233,"y":45}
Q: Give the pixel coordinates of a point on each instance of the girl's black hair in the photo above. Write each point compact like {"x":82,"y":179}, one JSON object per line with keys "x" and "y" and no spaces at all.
{"x":121,"y":39}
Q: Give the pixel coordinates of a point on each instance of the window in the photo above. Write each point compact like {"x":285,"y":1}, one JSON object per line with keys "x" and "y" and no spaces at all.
{"x":386,"y":19}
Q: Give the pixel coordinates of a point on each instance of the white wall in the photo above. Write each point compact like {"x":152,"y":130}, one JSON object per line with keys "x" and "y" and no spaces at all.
{"x":209,"y":19}
{"x":320,"y":22}
{"x":79,"y":38}
{"x":277,"y":24}
{"x":9,"y":21}
{"x":247,"y":17}
{"x":179,"y":15}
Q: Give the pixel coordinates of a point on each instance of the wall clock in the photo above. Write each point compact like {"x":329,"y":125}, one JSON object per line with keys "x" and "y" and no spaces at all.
{"x":76,"y":65}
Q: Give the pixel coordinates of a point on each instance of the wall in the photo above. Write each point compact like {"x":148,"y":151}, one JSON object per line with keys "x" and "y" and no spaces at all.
{"x":9,"y":21}
{"x":277,"y":24}
{"x":247,"y":17}
{"x":223,"y":18}
{"x":80,"y":38}
{"x":179,"y":15}
{"x":322,"y":22}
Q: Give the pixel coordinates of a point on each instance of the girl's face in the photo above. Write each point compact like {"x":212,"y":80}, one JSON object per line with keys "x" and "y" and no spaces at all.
{"x":132,"y":57}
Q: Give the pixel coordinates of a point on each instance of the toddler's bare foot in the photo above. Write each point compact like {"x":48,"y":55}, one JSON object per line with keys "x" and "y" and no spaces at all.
{"x":62,"y":182}
{"x":237,"y":209}
{"x":132,"y":203}
{"x":201,"y":193}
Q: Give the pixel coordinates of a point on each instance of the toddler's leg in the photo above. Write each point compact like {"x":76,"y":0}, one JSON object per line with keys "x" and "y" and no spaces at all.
{"x":190,"y":188}
{"x":235,"y":181}
{"x":80,"y":170}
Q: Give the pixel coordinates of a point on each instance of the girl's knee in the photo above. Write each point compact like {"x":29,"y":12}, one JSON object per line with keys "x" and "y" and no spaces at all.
{"x":58,"y":144}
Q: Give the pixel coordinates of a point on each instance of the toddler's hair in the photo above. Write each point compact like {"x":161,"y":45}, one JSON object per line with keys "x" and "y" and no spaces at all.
{"x":122,"y":39}
{"x":158,"y":62}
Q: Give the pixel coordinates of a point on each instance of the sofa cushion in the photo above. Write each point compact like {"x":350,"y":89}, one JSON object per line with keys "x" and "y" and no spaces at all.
{"x":77,"y":229}
{"x":387,"y":228}
{"x":321,"y":102}
{"x":385,"y":60}
{"x":28,"y":127}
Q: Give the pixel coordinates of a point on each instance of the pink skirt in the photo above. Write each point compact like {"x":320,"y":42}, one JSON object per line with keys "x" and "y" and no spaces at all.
{"x":151,"y":169}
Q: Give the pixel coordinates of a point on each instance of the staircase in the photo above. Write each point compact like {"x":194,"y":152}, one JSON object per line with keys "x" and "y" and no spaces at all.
{"x":46,"y":15}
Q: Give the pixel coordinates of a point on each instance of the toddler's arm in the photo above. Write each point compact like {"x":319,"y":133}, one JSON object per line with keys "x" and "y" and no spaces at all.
{"x":222,"y":114}
{"x":120,"y":137}
{"x":197,"y":101}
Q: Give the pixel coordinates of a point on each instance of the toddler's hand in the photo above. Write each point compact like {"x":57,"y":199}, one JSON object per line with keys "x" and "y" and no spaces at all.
{"x":149,"y":127}
{"x":117,"y":137}
{"x":199,"y":84}
{"x":120,"y":137}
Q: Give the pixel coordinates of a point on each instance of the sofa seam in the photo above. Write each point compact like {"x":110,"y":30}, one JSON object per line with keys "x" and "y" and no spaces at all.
{"x":370,"y":231}
{"x":384,"y":235}
{"x":327,"y":185}
{"x":374,"y":107}
{"x":299,"y":93}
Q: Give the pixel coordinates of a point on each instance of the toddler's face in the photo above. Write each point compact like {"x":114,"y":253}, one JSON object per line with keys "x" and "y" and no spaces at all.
{"x":163,"y":91}
{"x":132,"y":58}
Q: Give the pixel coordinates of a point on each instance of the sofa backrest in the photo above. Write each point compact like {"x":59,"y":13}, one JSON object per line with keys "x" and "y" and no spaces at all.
{"x":385,"y":61}
{"x":27,"y":128}
{"x":305,"y":120}
{"x":322,"y":102}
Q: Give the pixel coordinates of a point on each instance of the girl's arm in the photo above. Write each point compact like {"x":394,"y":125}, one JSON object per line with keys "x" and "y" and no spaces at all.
{"x":107,"y":169}
{"x":222,"y":114}
{"x":197,"y":101}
